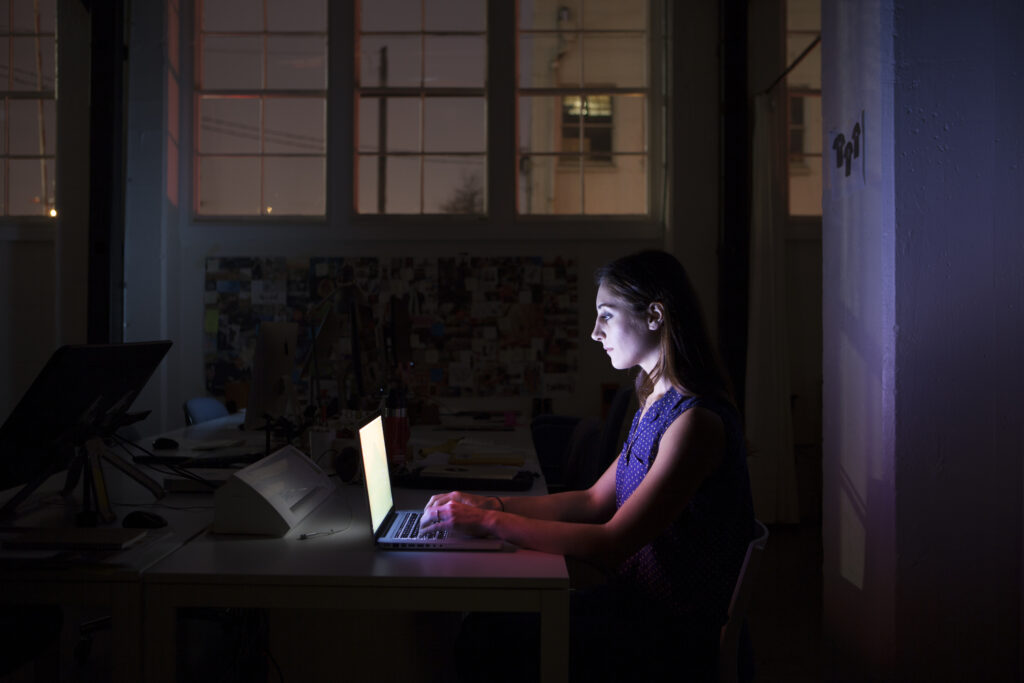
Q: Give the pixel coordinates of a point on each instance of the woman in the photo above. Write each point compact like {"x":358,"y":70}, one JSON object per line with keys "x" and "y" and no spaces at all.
{"x":671,"y":519}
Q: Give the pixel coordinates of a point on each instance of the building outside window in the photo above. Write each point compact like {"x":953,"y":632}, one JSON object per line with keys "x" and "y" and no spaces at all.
{"x":28,"y":111}
{"x":583,"y":98}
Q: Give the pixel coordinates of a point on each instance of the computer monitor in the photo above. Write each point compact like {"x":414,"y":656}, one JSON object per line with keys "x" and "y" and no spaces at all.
{"x":271,"y":388}
{"x":83,"y":391}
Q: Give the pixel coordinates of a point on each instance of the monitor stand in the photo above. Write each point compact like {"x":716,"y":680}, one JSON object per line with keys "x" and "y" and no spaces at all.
{"x":85,"y":467}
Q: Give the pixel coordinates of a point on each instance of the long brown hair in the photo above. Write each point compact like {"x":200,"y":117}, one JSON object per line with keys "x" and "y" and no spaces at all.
{"x":687,"y":359}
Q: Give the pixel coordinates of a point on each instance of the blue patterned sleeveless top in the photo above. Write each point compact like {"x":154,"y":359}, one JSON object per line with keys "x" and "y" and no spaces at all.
{"x":691,"y":568}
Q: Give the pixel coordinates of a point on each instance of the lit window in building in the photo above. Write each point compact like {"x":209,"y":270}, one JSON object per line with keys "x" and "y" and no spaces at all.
{"x":587,"y":127}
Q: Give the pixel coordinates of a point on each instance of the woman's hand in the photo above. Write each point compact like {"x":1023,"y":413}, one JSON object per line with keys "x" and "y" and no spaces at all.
{"x":464,"y":513}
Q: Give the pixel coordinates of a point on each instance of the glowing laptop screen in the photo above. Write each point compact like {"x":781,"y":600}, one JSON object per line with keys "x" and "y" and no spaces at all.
{"x":375,"y":469}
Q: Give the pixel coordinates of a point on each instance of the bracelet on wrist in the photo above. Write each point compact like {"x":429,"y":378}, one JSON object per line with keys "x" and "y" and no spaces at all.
{"x":500,"y":503}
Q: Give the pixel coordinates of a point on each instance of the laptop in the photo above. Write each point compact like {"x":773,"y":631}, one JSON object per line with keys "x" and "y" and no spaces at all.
{"x":399,"y":529}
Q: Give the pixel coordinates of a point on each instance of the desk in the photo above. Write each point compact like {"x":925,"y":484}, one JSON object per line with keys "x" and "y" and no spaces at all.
{"x":346,"y":571}
{"x":112,"y":581}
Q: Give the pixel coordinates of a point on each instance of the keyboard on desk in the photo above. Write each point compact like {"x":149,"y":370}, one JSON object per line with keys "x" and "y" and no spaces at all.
{"x":411,"y":529}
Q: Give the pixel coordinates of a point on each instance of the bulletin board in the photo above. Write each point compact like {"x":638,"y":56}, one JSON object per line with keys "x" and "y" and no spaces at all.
{"x":455,"y":326}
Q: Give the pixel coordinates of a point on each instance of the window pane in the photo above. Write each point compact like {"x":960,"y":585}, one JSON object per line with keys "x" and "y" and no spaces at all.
{"x":539,"y":124}
{"x":622,"y":15}
{"x":389,"y":15}
{"x":630,"y":113}
{"x":28,"y":177}
{"x":367,"y":120}
{"x":297,"y":15}
{"x":539,"y":66}
{"x":3,"y":128}
{"x":805,"y":188}
{"x":25,"y":15}
{"x":229,"y":186}
{"x":33,"y":127}
{"x":297,"y":63}
{"x":392,"y":61}
{"x":294,"y":125}
{"x":806,"y":74}
{"x":546,"y":16}
{"x":27,"y":75}
{"x":5,"y":16}
{"x":455,"y":15}
{"x":403,"y":127}
{"x":455,"y":61}
{"x":803,"y":15}
{"x":454,"y":185}
{"x":229,"y":125}
{"x":454,"y":124}
{"x":5,"y":63}
{"x":621,"y":189}
{"x":615,"y":60}
{"x":549,"y":185}
{"x":403,"y":185}
{"x":366,"y":181}
{"x":232,"y":63}
{"x":294,"y":186}
{"x":3,"y":183}
{"x":231,"y":15}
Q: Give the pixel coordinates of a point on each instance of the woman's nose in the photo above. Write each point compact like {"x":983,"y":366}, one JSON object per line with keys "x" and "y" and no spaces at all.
{"x":597,"y":334}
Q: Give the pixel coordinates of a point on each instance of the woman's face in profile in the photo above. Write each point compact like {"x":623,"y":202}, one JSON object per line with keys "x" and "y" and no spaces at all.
{"x":624,"y":334}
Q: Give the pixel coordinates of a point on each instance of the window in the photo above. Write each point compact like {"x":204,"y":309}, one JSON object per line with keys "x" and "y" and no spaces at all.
{"x":803,"y":26}
{"x":587,"y":127}
{"x":544,"y":104}
{"x":261,"y":108}
{"x":583,"y":106}
{"x":28,"y":112}
{"x":421,"y":109}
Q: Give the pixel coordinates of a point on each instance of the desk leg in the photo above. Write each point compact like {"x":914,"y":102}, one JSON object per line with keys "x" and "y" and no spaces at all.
{"x":554,"y":636}
{"x":161,"y":638}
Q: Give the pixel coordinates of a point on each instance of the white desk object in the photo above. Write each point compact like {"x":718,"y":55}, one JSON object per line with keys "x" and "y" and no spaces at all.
{"x":271,"y":496}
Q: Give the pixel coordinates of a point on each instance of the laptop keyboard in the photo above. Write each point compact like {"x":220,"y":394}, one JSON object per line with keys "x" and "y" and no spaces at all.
{"x":411,"y":529}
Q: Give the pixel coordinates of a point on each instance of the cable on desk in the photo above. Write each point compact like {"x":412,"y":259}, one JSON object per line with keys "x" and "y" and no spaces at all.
{"x":173,"y":470}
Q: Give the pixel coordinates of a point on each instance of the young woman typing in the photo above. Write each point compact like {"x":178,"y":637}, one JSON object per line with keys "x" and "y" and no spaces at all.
{"x":671,"y":519}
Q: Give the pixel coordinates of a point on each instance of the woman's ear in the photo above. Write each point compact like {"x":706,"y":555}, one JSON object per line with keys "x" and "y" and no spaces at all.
{"x":655,"y":315}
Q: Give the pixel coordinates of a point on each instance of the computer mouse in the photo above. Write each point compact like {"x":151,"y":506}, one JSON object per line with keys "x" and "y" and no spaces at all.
{"x":143,"y":519}
{"x":164,"y":443}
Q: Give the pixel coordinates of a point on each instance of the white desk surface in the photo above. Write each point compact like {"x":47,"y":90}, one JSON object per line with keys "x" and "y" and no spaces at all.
{"x":345,"y":570}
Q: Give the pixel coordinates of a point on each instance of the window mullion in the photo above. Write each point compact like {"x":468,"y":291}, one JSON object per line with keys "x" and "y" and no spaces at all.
{"x":502,"y":172}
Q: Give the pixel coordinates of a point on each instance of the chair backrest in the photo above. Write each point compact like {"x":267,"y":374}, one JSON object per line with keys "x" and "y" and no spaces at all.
{"x":728,"y":644}
{"x":203,"y":408}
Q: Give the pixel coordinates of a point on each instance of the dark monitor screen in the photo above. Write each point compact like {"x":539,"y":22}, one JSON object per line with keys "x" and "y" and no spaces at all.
{"x":83,"y":391}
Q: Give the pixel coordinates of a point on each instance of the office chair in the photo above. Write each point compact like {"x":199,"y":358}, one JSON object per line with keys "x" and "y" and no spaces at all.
{"x":203,"y":408}
{"x":575,"y":451}
{"x":729,"y":640}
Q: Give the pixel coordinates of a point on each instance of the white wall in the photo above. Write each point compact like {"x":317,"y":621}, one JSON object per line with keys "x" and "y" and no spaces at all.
{"x":922,"y":336}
